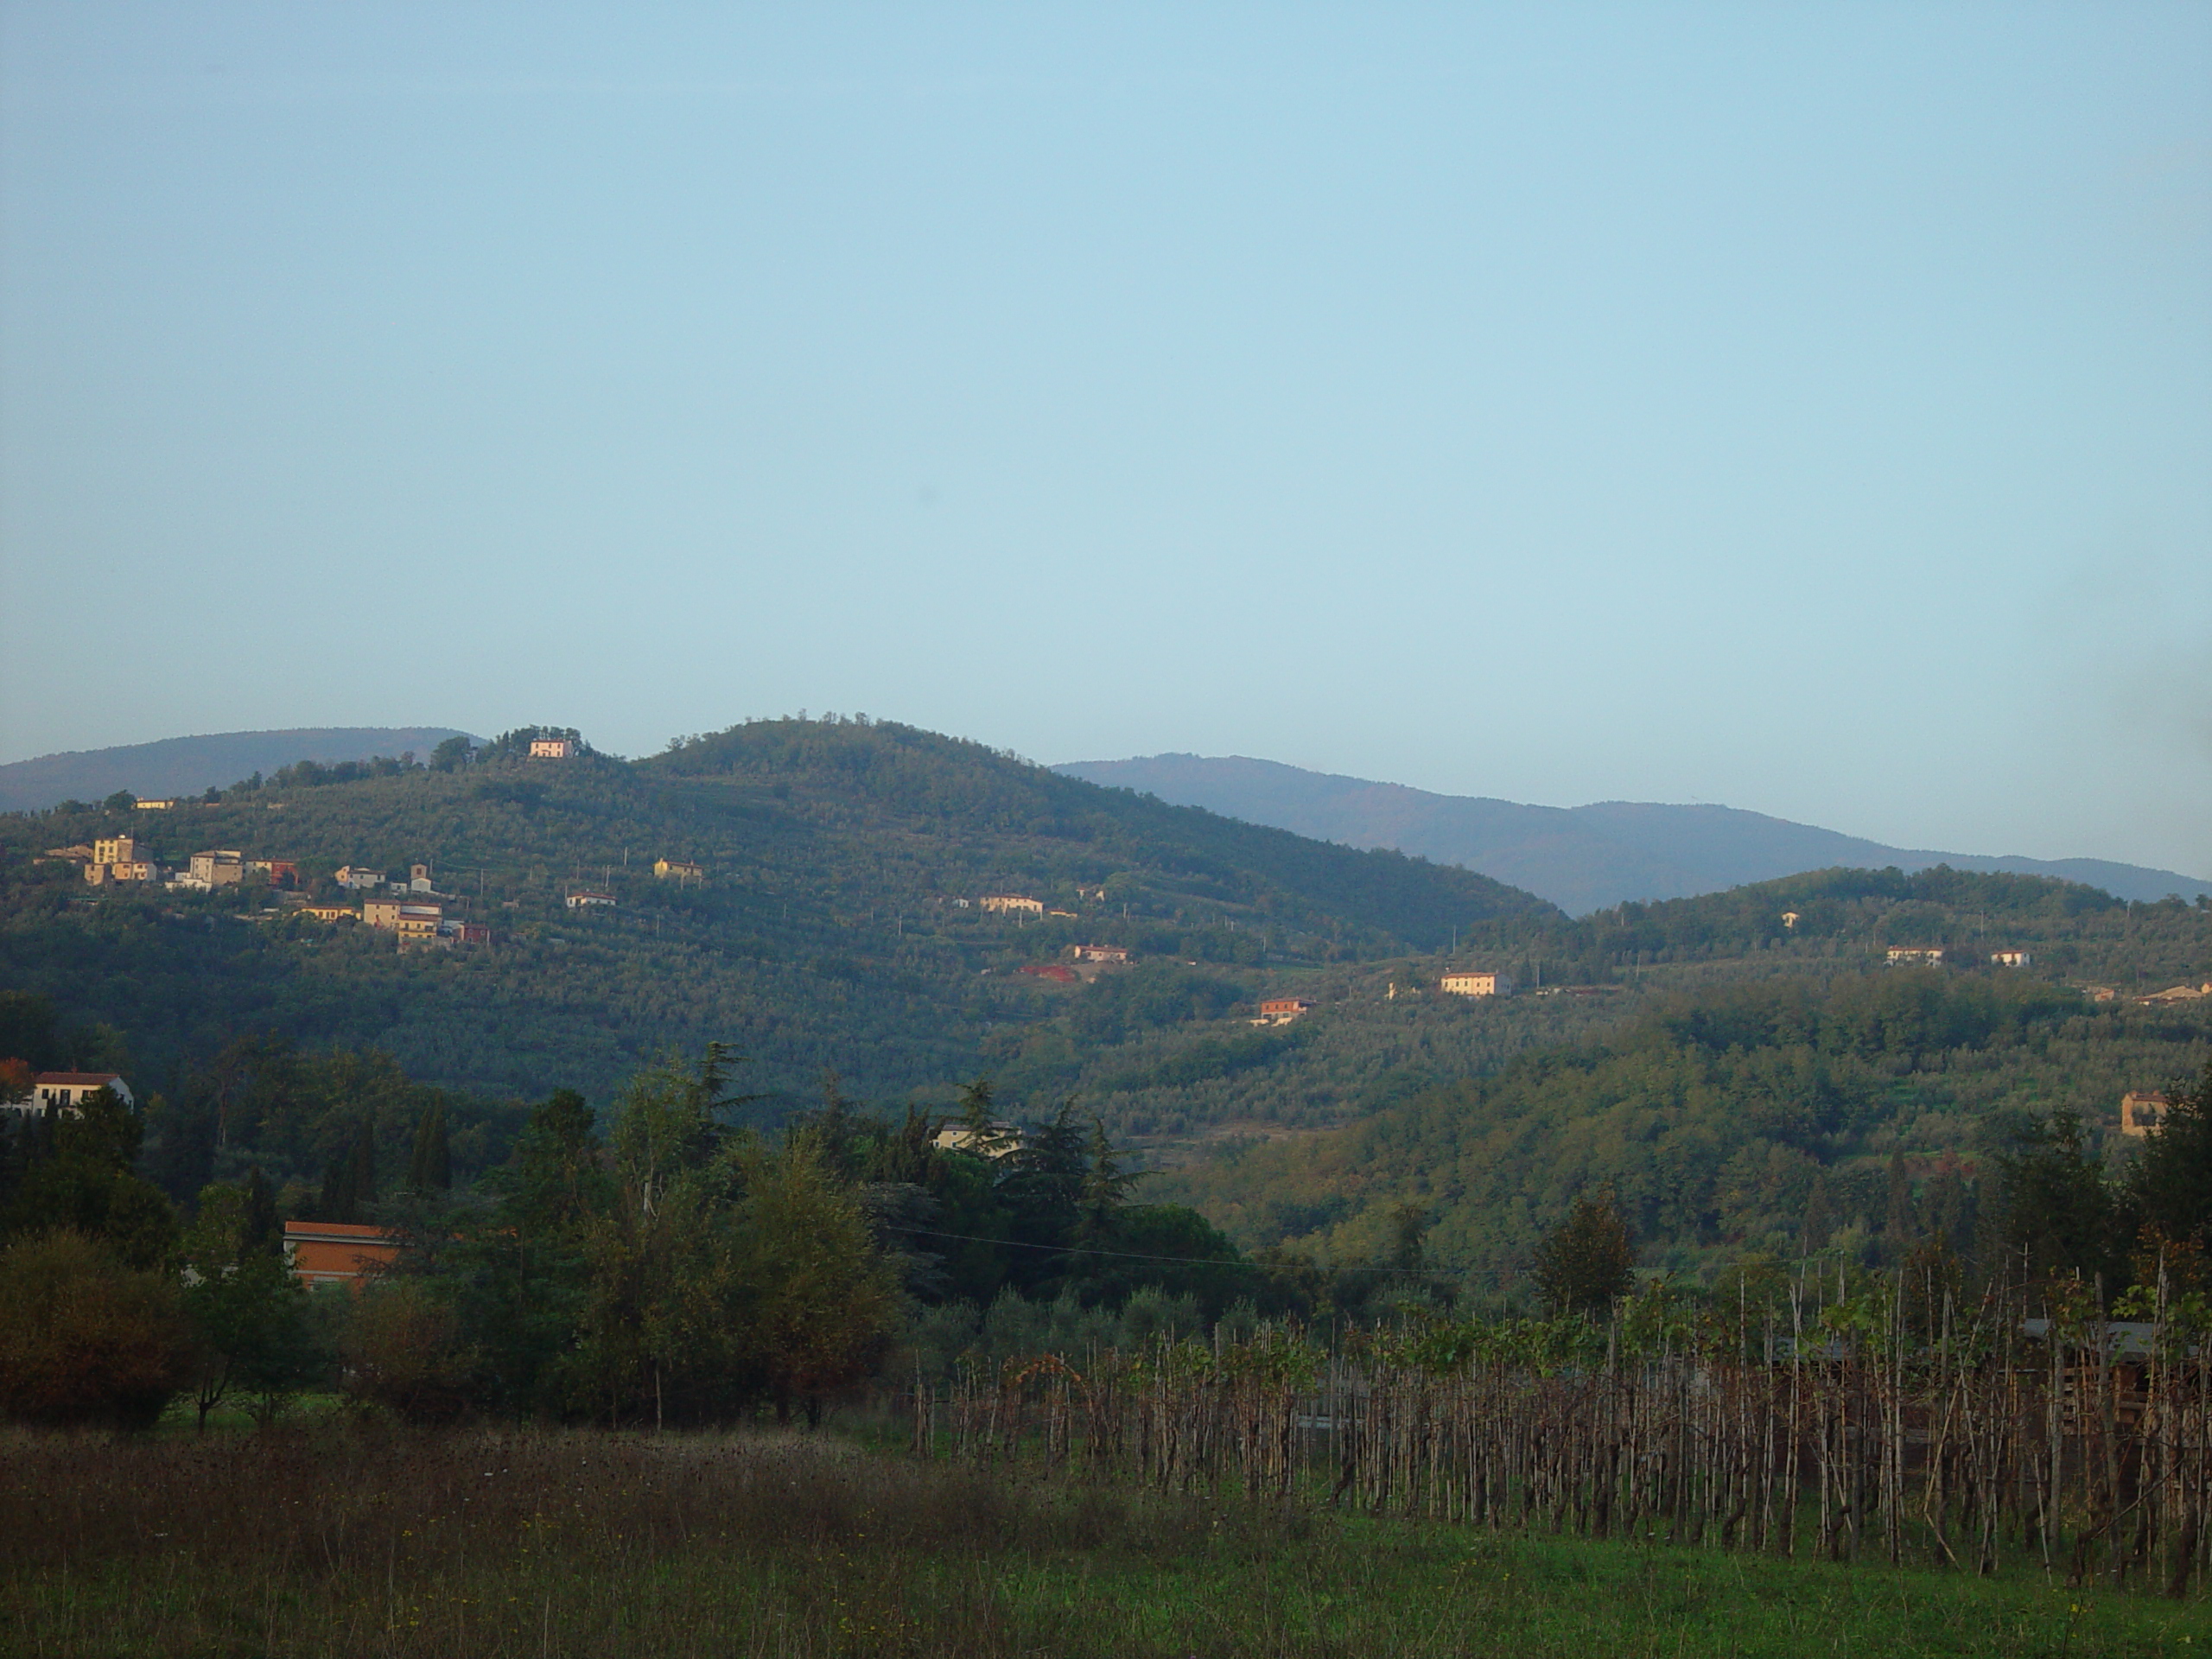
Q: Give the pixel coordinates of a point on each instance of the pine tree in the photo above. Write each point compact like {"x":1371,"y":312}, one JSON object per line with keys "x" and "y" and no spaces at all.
{"x":1046,"y":1174}
{"x":984,"y":1134}
{"x":1105,"y":1185}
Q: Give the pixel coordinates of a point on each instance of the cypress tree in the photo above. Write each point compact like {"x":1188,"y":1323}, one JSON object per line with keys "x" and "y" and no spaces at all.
{"x":338,"y":1201}
{"x":14,"y":1132}
{"x":351,"y":1181}
{"x":430,"y":1170}
{"x":2170,"y":1186}
{"x":1408,"y":1221}
{"x":1897,"y":1226}
{"x":1820,"y":1217}
{"x":364,"y":1167}
{"x":264,"y":1234}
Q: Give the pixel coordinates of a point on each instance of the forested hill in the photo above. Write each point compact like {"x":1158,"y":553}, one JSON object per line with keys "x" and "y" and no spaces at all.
{"x":966,"y":814}
{"x":827,"y":932}
{"x":1845,"y":916}
{"x":837,"y":925}
{"x":1862,"y":1113}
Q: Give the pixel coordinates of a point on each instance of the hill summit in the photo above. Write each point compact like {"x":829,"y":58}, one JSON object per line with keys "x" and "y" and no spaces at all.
{"x":825,"y":893}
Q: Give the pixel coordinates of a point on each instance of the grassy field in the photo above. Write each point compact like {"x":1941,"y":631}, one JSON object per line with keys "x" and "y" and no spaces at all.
{"x":345,"y":1541}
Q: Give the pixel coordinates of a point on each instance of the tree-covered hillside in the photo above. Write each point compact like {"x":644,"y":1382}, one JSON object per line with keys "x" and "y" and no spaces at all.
{"x":828,"y":932}
{"x":1760,"y":1116}
{"x":1844,"y":917}
{"x":837,"y":924}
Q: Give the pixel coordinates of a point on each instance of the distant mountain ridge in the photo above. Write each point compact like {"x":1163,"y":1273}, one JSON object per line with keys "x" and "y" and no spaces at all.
{"x":191,"y":766}
{"x":1581,"y":858}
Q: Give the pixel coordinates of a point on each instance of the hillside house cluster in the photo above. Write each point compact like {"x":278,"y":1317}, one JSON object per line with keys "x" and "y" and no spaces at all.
{"x":119,"y":858}
{"x":1474,"y":983}
{"x":123,"y":858}
{"x":66,"y":1092}
{"x":416,"y":921}
{"x":1022,"y":905}
{"x":360,"y":878}
{"x":226,"y":867}
{"x":411,"y":919}
{"x":412,"y":909}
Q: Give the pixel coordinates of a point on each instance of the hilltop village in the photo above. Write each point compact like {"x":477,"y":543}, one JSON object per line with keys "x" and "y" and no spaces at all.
{"x":412,"y":908}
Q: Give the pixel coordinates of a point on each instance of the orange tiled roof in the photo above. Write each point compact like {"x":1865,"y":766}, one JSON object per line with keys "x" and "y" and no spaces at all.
{"x":337,"y":1252}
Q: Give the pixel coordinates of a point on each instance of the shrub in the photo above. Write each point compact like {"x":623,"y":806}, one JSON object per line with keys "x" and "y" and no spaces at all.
{"x":85,"y":1339}
{"x":403,"y":1350}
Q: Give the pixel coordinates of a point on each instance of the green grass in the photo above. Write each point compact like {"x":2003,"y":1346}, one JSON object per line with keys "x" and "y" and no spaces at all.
{"x":348,"y":1542}
{"x":233,"y":1416}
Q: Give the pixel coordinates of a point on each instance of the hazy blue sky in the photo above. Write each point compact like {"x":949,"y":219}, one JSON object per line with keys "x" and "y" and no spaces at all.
{"x":1804,"y":407}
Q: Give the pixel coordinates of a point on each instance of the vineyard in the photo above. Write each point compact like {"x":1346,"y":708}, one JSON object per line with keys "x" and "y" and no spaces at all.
{"x":1893,"y":1423}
